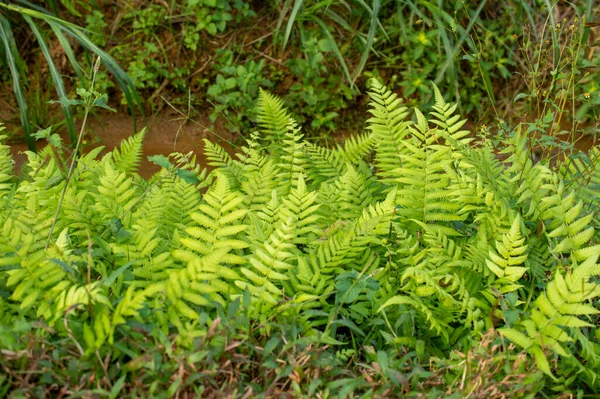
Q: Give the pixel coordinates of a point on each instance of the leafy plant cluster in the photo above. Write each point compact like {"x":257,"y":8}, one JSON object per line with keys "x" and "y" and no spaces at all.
{"x":214,"y":54}
{"x":13,"y":14}
{"x":411,"y":257}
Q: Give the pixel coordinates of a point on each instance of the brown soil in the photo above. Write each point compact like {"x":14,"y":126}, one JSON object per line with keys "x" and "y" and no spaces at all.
{"x":167,"y":132}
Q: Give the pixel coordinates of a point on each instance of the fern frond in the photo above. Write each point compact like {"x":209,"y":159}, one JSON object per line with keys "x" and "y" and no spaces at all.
{"x":301,"y":206}
{"x":259,"y":185}
{"x":572,"y":230}
{"x":530,"y":179}
{"x":355,"y":193}
{"x":269,"y":264}
{"x":348,"y":241}
{"x":389,"y":127}
{"x":555,"y":311}
{"x":324,"y":164}
{"x":170,"y":205}
{"x":273,"y":120}
{"x":356,"y":148}
{"x":424,"y":180}
{"x":444,"y":118}
{"x":116,"y":194}
{"x":292,"y":161}
{"x":6,"y":166}
{"x":507,"y":260}
{"x":219,"y":158}
{"x":217,"y":225}
{"x":128,"y":157}
{"x":540,"y":260}
{"x":310,"y":286}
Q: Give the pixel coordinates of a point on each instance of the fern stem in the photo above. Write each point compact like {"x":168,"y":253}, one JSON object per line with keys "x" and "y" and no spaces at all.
{"x":89,"y":103}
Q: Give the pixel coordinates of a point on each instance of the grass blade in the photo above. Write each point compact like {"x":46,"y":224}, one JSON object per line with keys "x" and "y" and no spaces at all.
{"x":372,"y":12}
{"x":369,"y":43}
{"x":450,"y":59}
{"x":68,"y":50}
{"x":336,"y":49}
{"x":291,"y":20}
{"x":123,"y":80}
{"x":284,"y":9}
{"x":56,"y":79}
{"x":76,"y":32}
{"x":12,"y":57}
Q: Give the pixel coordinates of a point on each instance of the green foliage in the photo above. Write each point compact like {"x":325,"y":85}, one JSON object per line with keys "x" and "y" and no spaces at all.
{"x":235,"y":89}
{"x":393,"y":253}
{"x":34,"y":15}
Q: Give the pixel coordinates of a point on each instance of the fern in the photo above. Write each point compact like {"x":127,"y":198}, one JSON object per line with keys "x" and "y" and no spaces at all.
{"x":425,"y":178}
{"x":325,"y":164}
{"x":128,"y":156}
{"x":6,"y":167}
{"x":444,"y":118}
{"x":302,"y":208}
{"x":356,"y":148}
{"x":529,"y":178}
{"x":269,"y":263}
{"x":258,"y":185}
{"x":507,"y":260}
{"x":292,"y":161}
{"x":556,"y":310}
{"x":217,"y":226}
{"x":571,"y":231}
{"x":407,"y":237}
{"x":356,"y":192}
{"x":273,"y":120}
{"x":389,"y":128}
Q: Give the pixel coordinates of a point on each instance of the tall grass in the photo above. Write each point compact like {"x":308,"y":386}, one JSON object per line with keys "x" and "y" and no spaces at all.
{"x":34,"y":15}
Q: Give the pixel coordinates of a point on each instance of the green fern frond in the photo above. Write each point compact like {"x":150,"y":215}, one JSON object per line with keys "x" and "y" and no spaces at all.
{"x":324,"y":164}
{"x":301,"y":206}
{"x":540,"y":260}
{"x":187,"y":162}
{"x":447,"y":256}
{"x":80,"y":214}
{"x":581,"y":173}
{"x":259,"y":185}
{"x":35,"y":281}
{"x":6,"y":166}
{"x":116,"y":194}
{"x":269,"y":264}
{"x":435,"y":321}
{"x":273,"y":120}
{"x":310,"y":286}
{"x":355,"y":193}
{"x":556,"y":311}
{"x":356,"y":148}
{"x":45,"y":177}
{"x":217,"y":225}
{"x":507,"y":260}
{"x":529,"y":178}
{"x":444,"y":118}
{"x":389,"y":127}
{"x":170,"y":205}
{"x":219,"y":158}
{"x":199,"y":285}
{"x":293,"y":160}
{"x":424,"y":179}
{"x":128,"y":157}
{"x":572,"y":230}
{"x":348,"y":241}
{"x":216,"y":155}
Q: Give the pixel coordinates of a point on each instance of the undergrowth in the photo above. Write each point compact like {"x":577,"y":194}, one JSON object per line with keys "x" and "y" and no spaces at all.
{"x":408,"y":262}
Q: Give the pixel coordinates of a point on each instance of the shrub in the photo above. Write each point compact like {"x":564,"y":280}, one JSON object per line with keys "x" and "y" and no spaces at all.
{"x":409,"y":243}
